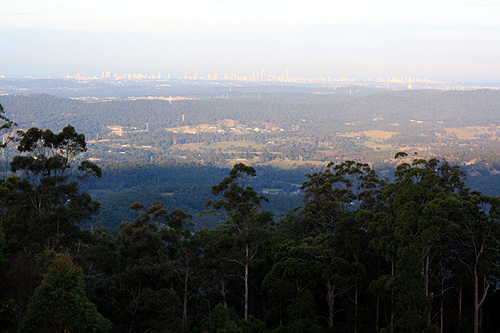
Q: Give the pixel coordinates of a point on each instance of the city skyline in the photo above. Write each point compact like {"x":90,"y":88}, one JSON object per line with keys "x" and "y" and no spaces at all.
{"x":262,"y":76}
{"x":259,"y":76}
{"x":440,"y":39}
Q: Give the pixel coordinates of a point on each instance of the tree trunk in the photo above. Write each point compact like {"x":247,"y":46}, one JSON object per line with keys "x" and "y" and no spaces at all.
{"x":392,"y":298}
{"x":377,"y":314}
{"x":246,"y":281}
{"x":330,"y":301}
{"x":429,"y":314}
{"x":442,"y":315}
{"x":223,"y":293}
{"x":184,"y":312}
{"x":460,"y":306}
{"x":476,"y":302}
{"x":442,"y":299}
{"x":356,"y":309}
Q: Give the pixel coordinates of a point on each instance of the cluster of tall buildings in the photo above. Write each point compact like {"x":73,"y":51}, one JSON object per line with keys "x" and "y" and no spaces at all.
{"x":261,"y":76}
{"x":133,"y":76}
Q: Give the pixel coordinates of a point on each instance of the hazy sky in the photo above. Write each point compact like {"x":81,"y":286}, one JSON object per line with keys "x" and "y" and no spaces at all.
{"x":439,"y":39}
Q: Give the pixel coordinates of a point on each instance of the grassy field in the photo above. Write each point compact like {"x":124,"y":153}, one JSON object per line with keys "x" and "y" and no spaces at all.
{"x":373,"y":134}
{"x":375,"y":145}
{"x":288,"y":164}
{"x":190,"y":146}
{"x":234,"y":144}
{"x":224,"y":145}
{"x":470,"y":132}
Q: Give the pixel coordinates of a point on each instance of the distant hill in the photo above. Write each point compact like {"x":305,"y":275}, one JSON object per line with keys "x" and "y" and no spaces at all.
{"x":477,"y":107}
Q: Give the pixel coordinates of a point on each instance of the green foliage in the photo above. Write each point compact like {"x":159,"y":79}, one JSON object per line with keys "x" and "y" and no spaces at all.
{"x":221,"y":321}
{"x":253,"y":325}
{"x":245,"y":230}
{"x":146,"y":281}
{"x":45,"y":195}
{"x":361,"y":255}
{"x":8,"y":312}
{"x":340,"y":189}
{"x":286,"y":284}
{"x":2,"y":242}
{"x":6,"y":125}
{"x":60,"y":303}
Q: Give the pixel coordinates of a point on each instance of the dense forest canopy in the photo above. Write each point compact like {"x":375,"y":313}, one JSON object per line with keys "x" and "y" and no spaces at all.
{"x":362,"y":254}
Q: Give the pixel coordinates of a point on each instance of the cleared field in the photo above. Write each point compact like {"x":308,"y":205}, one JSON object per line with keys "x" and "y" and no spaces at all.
{"x":190,"y":146}
{"x":470,"y":132}
{"x":288,"y":164}
{"x":217,"y":145}
{"x":234,"y":144}
{"x":374,"y":145}
{"x":373,"y":134}
{"x":282,"y":164}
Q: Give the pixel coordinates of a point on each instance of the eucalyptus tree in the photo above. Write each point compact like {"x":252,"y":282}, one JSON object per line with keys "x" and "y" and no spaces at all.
{"x":60,"y":303}
{"x":185,"y":251}
{"x":332,"y":201}
{"x":410,"y":233}
{"x":290,"y":285}
{"x":477,"y":231}
{"x":144,"y":290}
{"x":41,"y":205}
{"x":46,"y":194}
{"x":341,"y":188}
{"x":244,"y":229}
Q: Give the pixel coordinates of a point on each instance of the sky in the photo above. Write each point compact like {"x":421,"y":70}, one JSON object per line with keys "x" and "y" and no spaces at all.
{"x":437,"y":39}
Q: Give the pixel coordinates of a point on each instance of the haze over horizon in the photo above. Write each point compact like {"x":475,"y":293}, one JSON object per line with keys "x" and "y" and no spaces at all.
{"x":440,"y":39}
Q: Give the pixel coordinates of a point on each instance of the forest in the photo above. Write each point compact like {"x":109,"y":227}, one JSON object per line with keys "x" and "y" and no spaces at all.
{"x":414,"y":252}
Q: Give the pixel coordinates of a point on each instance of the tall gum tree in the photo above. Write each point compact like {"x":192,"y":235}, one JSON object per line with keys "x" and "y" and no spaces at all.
{"x":246,"y":221}
{"x":47,"y":191}
{"x":411,"y":233}
{"x":477,"y":231}
{"x":331,"y":199}
{"x":60,"y":303}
